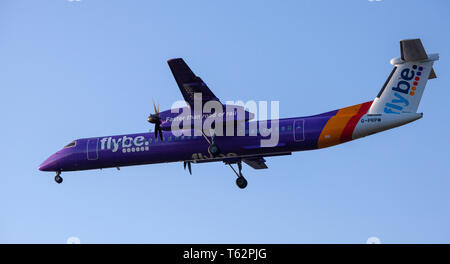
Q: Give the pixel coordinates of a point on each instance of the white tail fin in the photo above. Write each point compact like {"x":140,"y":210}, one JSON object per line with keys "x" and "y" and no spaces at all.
{"x":402,"y":91}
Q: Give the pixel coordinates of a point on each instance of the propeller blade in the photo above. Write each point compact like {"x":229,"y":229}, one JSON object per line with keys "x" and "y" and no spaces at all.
{"x":188,"y":163}
{"x":213,"y":136}
{"x":160,"y":134}
{"x":154,"y":107}
{"x":156,"y":130}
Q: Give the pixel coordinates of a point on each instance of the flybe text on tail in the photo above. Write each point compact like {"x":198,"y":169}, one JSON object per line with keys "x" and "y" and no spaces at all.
{"x":404,"y":89}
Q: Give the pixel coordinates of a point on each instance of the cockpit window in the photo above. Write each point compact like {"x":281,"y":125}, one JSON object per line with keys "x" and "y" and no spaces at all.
{"x":71,"y":144}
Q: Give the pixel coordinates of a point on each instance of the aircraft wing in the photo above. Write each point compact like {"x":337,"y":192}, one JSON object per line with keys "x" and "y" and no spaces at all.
{"x":189,"y":83}
{"x":256,"y":163}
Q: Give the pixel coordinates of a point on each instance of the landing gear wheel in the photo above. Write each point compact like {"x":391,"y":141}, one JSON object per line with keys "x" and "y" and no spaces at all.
{"x":58,"y":179}
{"x":213,"y":149}
{"x":241,"y":182}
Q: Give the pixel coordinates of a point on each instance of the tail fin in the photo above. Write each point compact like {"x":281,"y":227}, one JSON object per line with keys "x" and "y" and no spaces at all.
{"x":402,"y":91}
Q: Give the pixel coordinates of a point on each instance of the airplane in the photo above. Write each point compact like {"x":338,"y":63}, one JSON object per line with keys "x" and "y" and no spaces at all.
{"x":395,"y":105}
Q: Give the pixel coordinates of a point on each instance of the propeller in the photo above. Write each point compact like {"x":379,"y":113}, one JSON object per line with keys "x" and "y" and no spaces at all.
{"x":188,"y":163}
{"x":212,"y":132}
{"x":154,"y":119}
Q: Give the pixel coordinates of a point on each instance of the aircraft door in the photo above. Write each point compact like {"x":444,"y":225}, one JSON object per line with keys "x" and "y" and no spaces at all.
{"x":92,"y":149}
{"x":299,"y":130}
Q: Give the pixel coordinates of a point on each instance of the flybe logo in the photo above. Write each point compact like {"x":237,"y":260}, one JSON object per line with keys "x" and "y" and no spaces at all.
{"x":127,"y":144}
{"x":403,"y":88}
{"x":200,"y":156}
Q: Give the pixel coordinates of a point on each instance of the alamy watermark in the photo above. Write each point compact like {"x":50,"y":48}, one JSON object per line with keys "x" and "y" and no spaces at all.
{"x":212,"y":118}
{"x":373,"y":240}
{"x":73,"y":240}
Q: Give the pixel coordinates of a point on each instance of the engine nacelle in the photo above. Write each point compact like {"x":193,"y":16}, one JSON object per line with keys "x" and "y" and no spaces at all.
{"x":184,"y":116}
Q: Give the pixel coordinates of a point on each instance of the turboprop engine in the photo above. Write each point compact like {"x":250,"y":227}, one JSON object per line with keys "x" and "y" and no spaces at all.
{"x":185,"y":118}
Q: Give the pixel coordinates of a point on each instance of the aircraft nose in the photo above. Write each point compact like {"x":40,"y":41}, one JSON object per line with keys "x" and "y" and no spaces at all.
{"x":44,"y":166}
{"x":49,"y":164}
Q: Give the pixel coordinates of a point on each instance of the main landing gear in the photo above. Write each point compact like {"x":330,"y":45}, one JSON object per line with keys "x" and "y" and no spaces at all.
{"x":58,"y":178}
{"x":241,"y":182}
{"x":214,"y":150}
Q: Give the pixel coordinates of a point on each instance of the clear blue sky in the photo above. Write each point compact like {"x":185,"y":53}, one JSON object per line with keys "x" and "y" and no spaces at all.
{"x":79,"y":69}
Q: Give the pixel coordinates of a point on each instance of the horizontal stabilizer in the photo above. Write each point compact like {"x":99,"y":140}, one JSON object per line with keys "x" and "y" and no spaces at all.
{"x":412,"y":50}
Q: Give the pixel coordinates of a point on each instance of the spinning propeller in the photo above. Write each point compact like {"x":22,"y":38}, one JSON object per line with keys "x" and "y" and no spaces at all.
{"x":154,"y":119}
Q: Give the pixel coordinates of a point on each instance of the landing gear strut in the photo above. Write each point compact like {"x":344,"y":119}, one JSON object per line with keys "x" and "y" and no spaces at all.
{"x":58,"y":178}
{"x":241,"y":182}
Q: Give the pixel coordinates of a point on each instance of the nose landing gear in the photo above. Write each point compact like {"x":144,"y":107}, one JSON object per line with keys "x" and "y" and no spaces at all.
{"x":58,"y":178}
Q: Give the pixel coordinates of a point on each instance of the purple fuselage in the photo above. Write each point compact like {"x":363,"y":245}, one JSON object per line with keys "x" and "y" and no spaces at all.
{"x":295,"y":134}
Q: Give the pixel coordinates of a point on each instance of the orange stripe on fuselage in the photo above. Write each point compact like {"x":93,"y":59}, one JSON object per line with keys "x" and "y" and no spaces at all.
{"x":331,"y":133}
{"x":348,"y":130}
